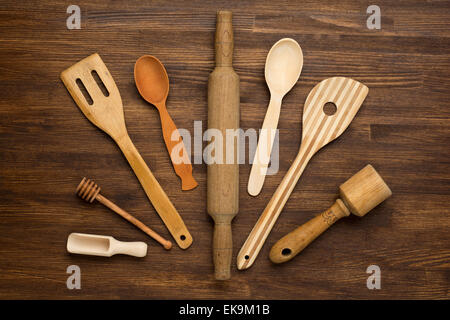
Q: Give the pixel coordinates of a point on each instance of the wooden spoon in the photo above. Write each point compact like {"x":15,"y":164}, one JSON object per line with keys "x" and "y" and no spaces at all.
{"x":283,"y":67}
{"x":152,"y":83}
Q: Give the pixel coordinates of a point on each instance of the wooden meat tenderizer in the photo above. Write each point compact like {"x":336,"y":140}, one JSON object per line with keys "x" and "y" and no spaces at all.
{"x":223,"y":115}
{"x":358,"y":195}
{"x":89,"y":191}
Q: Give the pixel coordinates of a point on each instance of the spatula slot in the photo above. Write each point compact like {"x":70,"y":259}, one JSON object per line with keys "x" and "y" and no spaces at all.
{"x":100,"y":83}
{"x":84,"y":91}
{"x":329,"y":108}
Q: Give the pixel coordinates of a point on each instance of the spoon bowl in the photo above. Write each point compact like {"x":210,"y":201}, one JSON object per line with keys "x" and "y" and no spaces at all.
{"x":283,"y":66}
{"x":151,"y":80}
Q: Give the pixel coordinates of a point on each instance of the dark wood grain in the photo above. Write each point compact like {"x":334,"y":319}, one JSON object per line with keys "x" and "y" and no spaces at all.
{"x":402,"y":129}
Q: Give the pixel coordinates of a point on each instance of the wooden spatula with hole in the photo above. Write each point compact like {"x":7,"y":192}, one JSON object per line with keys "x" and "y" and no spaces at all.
{"x":318,"y":130}
{"x":106,"y":112}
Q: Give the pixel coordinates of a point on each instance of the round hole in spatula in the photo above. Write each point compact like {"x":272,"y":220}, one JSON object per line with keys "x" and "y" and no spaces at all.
{"x":286,"y":251}
{"x":183,"y":237}
{"x":329,"y":108}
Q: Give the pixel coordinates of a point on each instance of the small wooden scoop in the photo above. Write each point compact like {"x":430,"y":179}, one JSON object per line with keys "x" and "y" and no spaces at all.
{"x":319,"y":129}
{"x":105,"y":110}
{"x":104,"y":246}
{"x":360,"y":194}
{"x":284,"y":64}
{"x":89,"y":191}
{"x":152,"y":83}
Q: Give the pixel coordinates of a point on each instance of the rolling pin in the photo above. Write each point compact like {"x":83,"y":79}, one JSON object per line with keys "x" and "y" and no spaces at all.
{"x":358,"y":195}
{"x":223,"y":175}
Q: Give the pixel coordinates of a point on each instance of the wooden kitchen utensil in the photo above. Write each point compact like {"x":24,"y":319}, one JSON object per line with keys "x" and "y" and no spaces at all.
{"x":89,"y":191}
{"x":152,"y":83}
{"x":319,"y":128}
{"x":104,"y":246}
{"x":222,"y":176}
{"x":104,"y":109}
{"x":360,"y":194}
{"x":283,"y":67}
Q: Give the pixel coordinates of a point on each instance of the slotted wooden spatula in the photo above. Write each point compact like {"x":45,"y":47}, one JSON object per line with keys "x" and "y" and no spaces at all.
{"x":106,"y":112}
{"x":318,"y":130}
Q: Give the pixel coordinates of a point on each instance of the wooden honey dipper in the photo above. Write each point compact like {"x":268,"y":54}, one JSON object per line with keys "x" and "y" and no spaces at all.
{"x":89,"y":191}
{"x":360,"y":194}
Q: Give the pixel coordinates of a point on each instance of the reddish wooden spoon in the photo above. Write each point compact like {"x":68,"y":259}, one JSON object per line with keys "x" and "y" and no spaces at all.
{"x":152,"y":83}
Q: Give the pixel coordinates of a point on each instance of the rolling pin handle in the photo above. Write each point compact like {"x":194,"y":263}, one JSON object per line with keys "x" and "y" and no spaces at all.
{"x":222,"y":249}
{"x":224,"y":39}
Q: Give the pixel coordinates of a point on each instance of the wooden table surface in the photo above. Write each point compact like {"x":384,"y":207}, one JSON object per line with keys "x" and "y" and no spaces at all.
{"x":402,"y":129}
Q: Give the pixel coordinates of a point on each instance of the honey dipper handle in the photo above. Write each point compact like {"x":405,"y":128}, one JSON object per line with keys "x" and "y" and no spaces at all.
{"x":155,"y":193}
{"x":165,"y":243}
{"x":291,"y":244}
{"x":177,"y":150}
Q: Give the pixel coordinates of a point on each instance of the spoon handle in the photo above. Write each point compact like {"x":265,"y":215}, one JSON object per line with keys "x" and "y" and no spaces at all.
{"x":264,"y":148}
{"x":156,"y":194}
{"x":177,"y":150}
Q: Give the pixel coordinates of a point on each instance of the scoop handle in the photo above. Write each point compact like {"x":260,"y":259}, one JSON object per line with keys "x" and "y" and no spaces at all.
{"x":177,"y":150}
{"x":155,"y":193}
{"x":135,"y":249}
{"x":294,"y":242}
